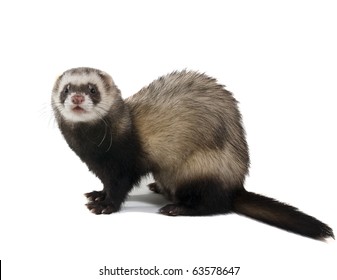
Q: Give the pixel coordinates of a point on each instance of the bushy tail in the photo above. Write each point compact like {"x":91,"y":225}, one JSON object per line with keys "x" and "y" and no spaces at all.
{"x":281,"y":215}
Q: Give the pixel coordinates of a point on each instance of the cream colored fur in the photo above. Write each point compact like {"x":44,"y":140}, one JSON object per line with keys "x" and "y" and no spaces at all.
{"x":190,"y":127}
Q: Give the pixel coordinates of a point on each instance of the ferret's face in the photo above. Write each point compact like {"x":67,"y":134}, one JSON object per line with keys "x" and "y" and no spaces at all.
{"x":83,"y":95}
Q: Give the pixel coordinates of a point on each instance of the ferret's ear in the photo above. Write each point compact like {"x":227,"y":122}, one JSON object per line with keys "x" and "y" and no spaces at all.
{"x":108,"y":81}
{"x":58,"y":77}
{"x":57,"y":82}
{"x":102,"y":73}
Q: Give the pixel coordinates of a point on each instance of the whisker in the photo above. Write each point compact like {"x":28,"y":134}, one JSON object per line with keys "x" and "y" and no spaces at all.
{"x":105,"y":131}
{"x":46,"y":112}
{"x":110,"y":141}
{"x":101,"y":110}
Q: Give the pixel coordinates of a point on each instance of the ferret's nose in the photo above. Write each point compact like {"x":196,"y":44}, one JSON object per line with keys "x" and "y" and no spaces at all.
{"x":77,"y":99}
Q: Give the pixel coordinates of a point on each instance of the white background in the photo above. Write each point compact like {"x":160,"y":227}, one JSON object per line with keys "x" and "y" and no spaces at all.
{"x":280,"y":60}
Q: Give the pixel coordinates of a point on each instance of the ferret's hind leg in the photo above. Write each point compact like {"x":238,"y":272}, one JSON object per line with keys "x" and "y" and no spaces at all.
{"x":158,"y":188}
{"x":201,"y":197}
{"x":155,"y":187}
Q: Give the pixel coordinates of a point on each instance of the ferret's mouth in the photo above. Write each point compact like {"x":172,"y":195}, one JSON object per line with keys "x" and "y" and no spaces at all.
{"x":78,"y":109}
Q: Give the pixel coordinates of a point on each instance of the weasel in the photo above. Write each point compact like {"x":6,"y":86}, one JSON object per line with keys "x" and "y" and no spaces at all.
{"x":185,"y":129}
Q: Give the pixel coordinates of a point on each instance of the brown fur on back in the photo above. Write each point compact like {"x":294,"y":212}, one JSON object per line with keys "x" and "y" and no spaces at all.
{"x":190,"y":126}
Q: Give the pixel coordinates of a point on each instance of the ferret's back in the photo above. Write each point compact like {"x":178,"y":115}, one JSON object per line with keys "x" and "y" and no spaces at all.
{"x":183,"y":112}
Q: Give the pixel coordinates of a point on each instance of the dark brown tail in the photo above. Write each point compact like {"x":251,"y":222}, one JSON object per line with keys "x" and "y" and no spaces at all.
{"x":281,"y":215}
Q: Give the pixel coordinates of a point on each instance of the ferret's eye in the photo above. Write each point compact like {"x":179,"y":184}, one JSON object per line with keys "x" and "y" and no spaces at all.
{"x":92,"y":89}
{"x":66,"y":90}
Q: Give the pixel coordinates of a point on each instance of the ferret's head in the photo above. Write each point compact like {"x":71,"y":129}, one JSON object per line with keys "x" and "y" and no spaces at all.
{"x":84,"y":95}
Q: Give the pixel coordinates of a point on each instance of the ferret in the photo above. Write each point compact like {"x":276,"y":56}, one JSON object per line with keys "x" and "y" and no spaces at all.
{"x":183,"y":128}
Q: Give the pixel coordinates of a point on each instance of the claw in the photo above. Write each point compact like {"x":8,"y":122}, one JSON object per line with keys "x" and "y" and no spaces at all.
{"x":101,"y":207}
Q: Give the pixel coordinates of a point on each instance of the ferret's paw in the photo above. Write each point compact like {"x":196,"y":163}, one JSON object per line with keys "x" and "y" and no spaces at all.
{"x":101,"y":207}
{"x":172,"y":210}
{"x":95,"y":196}
{"x":154,"y":187}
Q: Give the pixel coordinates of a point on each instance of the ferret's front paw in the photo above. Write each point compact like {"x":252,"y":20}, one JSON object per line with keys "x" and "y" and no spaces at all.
{"x":102,"y":207}
{"x":95,"y":196}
